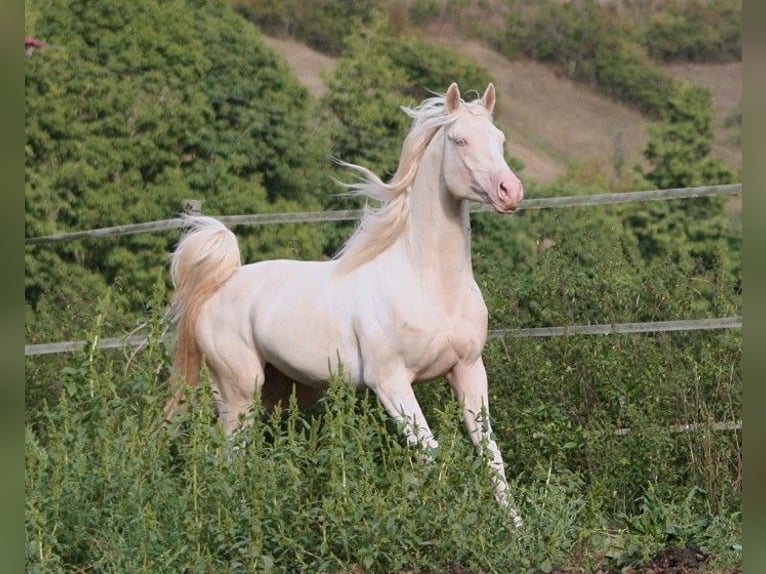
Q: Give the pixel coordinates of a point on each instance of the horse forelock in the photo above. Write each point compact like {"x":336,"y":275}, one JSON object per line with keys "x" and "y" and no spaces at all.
{"x":381,"y":226}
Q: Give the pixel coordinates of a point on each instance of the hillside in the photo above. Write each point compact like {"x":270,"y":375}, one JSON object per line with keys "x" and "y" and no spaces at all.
{"x":552,"y":121}
{"x":725,"y":83}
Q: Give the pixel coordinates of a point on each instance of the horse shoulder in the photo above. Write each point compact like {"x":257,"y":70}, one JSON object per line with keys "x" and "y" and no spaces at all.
{"x":467,"y":327}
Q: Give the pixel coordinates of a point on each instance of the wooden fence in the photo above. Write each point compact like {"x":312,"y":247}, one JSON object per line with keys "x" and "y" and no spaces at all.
{"x":194,"y":206}
{"x":353,"y":214}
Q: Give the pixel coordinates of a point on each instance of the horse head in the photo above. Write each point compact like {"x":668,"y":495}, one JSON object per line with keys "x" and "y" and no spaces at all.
{"x":474,"y":166}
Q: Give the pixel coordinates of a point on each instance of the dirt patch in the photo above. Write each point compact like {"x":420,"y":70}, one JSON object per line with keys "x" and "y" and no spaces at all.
{"x":672,"y":560}
{"x":550,"y":120}
{"x":308,"y":65}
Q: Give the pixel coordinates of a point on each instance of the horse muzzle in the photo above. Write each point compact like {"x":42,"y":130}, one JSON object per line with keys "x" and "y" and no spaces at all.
{"x":508,"y":194}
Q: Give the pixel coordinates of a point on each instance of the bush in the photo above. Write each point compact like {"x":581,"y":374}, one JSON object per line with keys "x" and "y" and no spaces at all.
{"x":695,"y":31}
{"x":678,"y":153}
{"x":110,"y":489}
{"x":132,"y":111}
{"x":591,"y":43}
{"x":557,"y":401}
{"x":322,"y":24}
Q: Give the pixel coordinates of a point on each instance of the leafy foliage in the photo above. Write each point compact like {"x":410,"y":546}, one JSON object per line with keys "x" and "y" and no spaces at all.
{"x":679,"y":155}
{"x":694,"y":31}
{"x":132,"y":110}
{"x":680,"y":144}
{"x":322,"y":24}
{"x":110,"y":488}
{"x":589,"y":41}
{"x":377,"y":74}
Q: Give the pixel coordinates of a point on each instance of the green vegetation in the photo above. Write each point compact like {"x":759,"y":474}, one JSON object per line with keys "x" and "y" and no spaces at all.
{"x":694,"y":30}
{"x":378,"y":74}
{"x":679,"y":146}
{"x":679,"y":155}
{"x":134,"y":108}
{"x":613,"y":46}
{"x":122,"y":126}
{"x":591,"y":43}
{"x":109,"y":488}
{"x":322,"y":24}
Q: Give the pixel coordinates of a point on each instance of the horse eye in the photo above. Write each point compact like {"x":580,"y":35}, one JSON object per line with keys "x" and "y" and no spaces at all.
{"x":460,"y":141}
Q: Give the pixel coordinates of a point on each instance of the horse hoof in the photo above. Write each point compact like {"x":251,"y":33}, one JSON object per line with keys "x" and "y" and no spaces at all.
{"x":516,"y":517}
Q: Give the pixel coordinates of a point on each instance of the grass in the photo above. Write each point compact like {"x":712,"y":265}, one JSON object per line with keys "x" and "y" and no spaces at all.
{"x":111,"y":489}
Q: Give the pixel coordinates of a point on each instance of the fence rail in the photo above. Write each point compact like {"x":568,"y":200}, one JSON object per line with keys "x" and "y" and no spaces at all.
{"x":353,"y":214}
{"x":600,"y":329}
{"x":621,"y":328}
{"x":693,"y":427}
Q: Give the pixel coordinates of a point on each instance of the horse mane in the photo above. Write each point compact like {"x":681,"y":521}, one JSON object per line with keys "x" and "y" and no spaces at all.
{"x":381,"y":226}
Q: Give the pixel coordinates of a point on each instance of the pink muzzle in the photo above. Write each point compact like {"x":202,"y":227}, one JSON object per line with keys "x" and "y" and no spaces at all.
{"x":509,"y":192}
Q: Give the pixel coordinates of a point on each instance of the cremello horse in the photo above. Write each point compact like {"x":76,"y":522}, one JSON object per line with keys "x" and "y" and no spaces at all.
{"x":399,"y":304}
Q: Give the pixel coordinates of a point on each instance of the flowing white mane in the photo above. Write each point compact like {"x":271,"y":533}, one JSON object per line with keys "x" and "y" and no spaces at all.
{"x":381,"y":226}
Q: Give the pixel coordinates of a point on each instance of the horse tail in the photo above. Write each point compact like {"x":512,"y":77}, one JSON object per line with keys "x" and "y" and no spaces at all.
{"x":206,"y":257}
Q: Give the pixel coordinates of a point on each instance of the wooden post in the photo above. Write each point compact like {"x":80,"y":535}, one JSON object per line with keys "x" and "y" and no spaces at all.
{"x":192,"y":206}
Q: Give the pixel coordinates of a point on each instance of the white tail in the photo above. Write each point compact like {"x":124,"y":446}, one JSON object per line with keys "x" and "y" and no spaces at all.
{"x":207,"y":255}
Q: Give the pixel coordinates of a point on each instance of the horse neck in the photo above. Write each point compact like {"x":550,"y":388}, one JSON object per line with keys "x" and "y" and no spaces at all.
{"x":438,"y":235}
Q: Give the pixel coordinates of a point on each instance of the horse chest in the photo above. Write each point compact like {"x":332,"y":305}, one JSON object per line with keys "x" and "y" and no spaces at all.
{"x":433,"y":341}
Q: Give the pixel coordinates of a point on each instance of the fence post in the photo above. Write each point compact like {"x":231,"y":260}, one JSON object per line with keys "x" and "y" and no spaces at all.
{"x":192,"y":206}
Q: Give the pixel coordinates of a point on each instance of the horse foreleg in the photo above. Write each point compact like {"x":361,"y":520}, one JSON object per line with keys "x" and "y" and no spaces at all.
{"x":469,"y":383}
{"x":398,"y":398}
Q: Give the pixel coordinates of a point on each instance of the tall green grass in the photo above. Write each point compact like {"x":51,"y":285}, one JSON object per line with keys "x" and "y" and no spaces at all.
{"x":110,"y":489}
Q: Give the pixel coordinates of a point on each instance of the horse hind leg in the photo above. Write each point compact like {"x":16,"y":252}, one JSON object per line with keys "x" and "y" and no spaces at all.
{"x":243,"y":378}
{"x":237,"y":375}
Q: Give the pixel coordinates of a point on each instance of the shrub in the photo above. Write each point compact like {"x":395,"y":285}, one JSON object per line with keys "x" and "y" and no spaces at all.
{"x":132,"y":111}
{"x":109,"y":488}
{"x":589,"y":41}
{"x":678,"y":154}
{"x":322,"y":24}
{"x":694,"y":31}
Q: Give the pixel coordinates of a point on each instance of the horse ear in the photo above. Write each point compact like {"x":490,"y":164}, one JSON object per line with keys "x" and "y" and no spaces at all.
{"x":453,"y":98}
{"x":488,"y":99}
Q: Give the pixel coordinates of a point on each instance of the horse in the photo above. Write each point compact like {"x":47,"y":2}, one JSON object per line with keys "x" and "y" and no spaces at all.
{"x":397,"y":305}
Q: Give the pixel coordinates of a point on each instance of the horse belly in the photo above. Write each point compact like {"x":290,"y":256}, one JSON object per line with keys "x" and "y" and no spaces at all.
{"x":308,"y":352}
{"x":295,"y":329}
